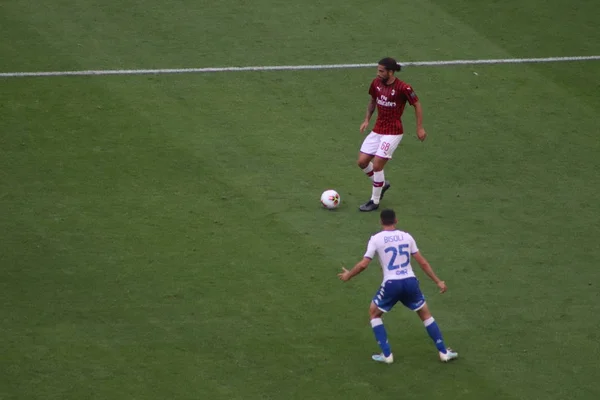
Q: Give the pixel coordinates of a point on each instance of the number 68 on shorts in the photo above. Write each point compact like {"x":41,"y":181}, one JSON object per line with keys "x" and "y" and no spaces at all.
{"x":380,"y":145}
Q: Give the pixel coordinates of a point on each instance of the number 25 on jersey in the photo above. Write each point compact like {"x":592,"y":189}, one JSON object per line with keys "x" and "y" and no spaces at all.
{"x":400,"y":256}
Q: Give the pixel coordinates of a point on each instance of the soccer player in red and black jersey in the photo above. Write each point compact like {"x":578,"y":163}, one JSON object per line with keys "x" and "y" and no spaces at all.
{"x":389,"y":95}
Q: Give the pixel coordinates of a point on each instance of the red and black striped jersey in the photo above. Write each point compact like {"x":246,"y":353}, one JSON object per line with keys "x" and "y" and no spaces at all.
{"x":391,"y":100}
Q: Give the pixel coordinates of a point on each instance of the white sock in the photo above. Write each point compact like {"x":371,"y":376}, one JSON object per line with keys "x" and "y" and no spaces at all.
{"x":369,"y":171}
{"x":378,"y":182}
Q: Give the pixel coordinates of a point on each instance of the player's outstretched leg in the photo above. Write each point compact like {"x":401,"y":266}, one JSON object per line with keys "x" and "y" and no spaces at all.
{"x":386,"y":355}
{"x":446,"y":354}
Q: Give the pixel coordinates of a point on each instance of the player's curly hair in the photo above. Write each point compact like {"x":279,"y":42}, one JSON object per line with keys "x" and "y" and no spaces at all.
{"x":390,"y":64}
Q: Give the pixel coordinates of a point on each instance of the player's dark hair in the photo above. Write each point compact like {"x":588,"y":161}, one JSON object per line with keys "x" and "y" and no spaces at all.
{"x":388,"y":217}
{"x":390,"y":64}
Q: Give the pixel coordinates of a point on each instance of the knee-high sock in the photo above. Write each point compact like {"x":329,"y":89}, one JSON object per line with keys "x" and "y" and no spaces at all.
{"x":381,"y":336}
{"x":378,"y":182}
{"x":436,"y":335}
{"x":369,"y":171}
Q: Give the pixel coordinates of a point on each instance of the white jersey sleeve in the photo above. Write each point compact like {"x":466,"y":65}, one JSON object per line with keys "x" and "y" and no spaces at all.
{"x":413,"y":245}
{"x":371,"y":248}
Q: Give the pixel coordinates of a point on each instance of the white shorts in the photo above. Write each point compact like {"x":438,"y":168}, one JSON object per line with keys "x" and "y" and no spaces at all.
{"x":380,"y":145}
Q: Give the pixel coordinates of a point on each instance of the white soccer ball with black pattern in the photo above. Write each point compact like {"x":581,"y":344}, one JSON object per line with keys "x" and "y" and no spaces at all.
{"x":330,"y":199}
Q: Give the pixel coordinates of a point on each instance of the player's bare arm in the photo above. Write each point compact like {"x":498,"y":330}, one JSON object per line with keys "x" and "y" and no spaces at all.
{"x":370,"y":110}
{"x":346,"y":275}
{"x":429,"y":271}
{"x":421,"y":134}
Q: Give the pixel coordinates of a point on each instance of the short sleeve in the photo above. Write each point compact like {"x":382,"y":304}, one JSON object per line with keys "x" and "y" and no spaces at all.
{"x":371,"y":248}
{"x":410,"y":94}
{"x":412,"y":245}
{"x":372,"y":90}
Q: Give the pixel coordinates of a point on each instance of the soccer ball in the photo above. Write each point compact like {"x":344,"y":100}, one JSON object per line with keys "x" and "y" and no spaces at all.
{"x":330,"y":199}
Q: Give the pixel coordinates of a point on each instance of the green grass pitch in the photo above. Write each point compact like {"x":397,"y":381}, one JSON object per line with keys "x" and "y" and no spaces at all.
{"x":161,"y":236}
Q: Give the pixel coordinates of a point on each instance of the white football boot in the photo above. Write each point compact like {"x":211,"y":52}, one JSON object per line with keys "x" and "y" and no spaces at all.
{"x":381,"y":358}
{"x":448,"y":355}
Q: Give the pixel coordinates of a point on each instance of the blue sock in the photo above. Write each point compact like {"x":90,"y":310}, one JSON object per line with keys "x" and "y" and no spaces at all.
{"x":436,"y":335}
{"x":381,"y":336}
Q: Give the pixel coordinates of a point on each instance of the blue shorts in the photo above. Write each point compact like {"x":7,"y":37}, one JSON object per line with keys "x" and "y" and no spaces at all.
{"x":406,"y":291}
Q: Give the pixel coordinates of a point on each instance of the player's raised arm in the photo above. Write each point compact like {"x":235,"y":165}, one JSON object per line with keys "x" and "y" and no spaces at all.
{"x":429,"y":271}
{"x":370,"y":110}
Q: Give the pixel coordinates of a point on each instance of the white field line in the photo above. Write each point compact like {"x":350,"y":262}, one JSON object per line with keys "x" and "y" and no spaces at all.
{"x":290,"y":67}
